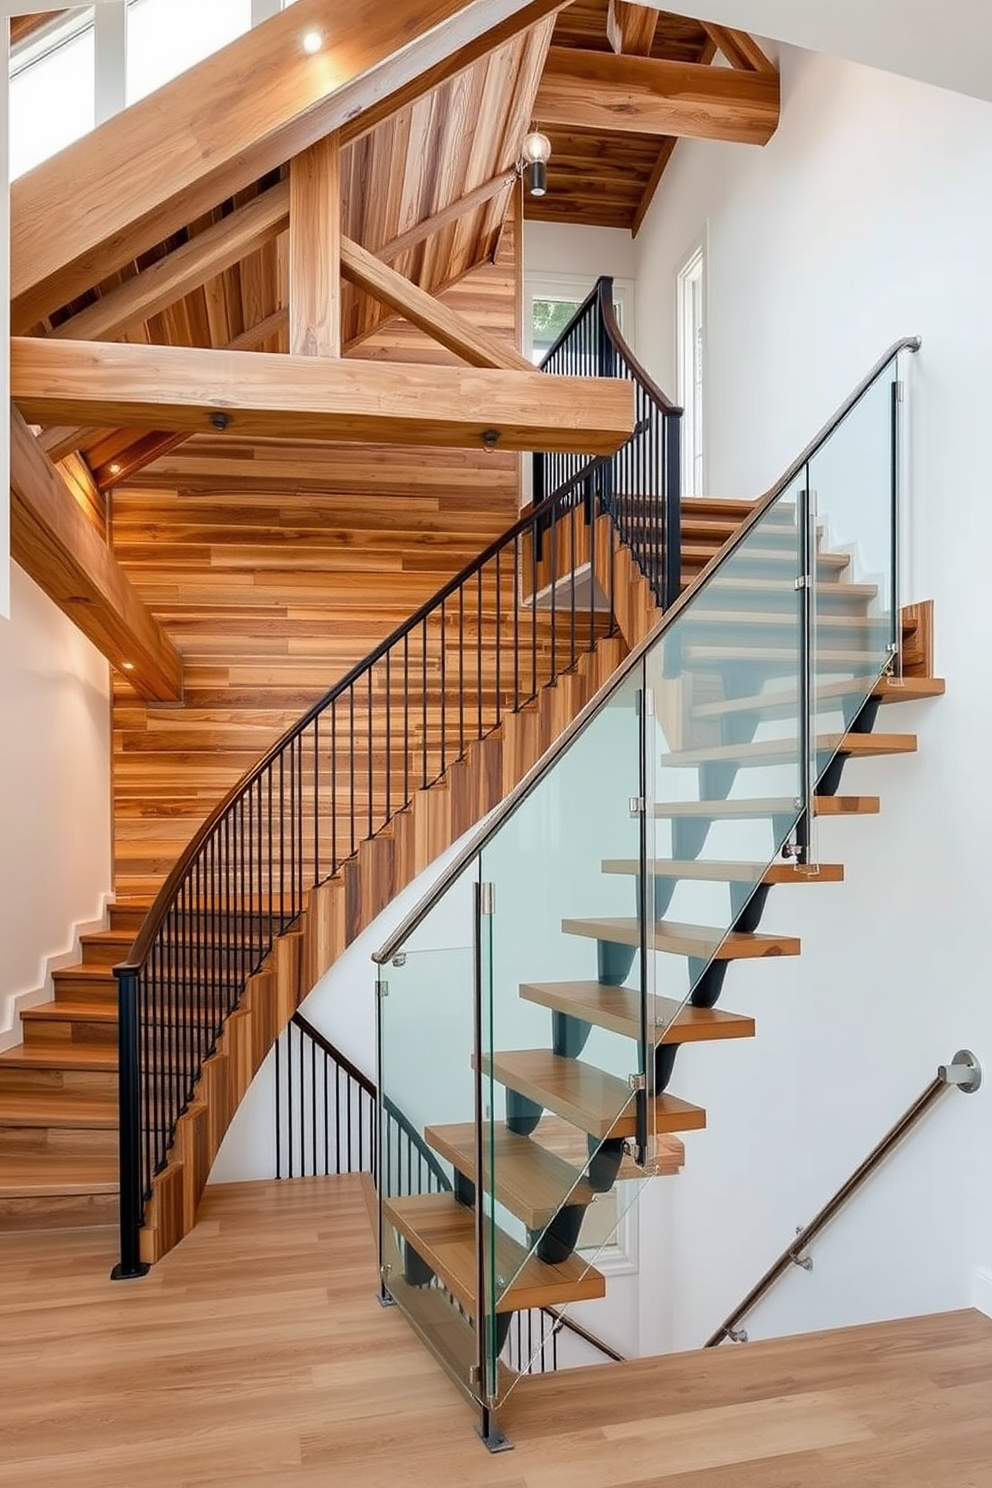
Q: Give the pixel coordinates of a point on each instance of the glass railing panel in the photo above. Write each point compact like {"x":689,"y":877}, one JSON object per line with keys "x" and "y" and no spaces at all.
{"x":725,"y":747}
{"x":426,"y":1212}
{"x":562,"y":1049}
{"x":852,"y":484}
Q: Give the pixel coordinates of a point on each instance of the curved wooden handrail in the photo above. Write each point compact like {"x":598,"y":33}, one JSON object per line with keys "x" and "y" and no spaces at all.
{"x":153,"y":921}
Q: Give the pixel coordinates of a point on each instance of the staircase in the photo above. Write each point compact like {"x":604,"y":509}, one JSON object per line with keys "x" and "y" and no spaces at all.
{"x":652,"y":830}
{"x":402,"y":758}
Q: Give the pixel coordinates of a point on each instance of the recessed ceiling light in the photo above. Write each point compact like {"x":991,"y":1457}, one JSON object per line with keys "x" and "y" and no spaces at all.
{"x":312,"y":41}
{"x":114,"y":469}
{"x":128,"y":666}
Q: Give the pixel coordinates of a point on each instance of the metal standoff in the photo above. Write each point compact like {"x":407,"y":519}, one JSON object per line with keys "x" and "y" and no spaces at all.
{"x":964,"y":1071}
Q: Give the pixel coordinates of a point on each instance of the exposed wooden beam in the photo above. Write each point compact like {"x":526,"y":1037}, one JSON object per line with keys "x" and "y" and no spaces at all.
{"x":646,"y":95}
{"x":740,"y":49}
{"x":169,"y":279}
{"x":654,"y":181}
{"x":315,"y":250}
{"x":61,"y":549}
{"x":226,"y":122}
{"x":59,"y":440}
{"x":439,"y":321}
{"x":191,"y":390}
{"x":630,"y":28}
{"x":444,"y":218}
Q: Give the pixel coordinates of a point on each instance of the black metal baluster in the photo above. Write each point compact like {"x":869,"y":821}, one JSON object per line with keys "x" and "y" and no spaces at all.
{"x":461,"y":671}
{"x":371,"y":755}
{"x":351,"y":766}
{"x":389,"y":738}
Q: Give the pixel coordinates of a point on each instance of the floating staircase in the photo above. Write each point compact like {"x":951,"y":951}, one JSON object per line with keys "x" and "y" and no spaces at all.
{"x":721,"y":738}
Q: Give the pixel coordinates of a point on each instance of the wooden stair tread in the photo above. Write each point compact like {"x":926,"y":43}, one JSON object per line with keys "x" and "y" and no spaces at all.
{"x":619,"y":1010}
{"x":561,"y":1138}
{"x":589,"y":1098}
{"x":41,"y":1174}
{"x":742,"y":584}
{"x":57,"y":1108}
{"x":781,"y":619}
{"x":836,"y":561}
{"x":530,"y":1181}
{"x":67,"y":1056}
{"x":71,"y":1012}
{"x":857,"y":746}
{"x":758,"y":652}
{"x":758,"y":806}
{"x":442,"y":1232}
{"x":886,"y":690}
{"x":703,"y":941}
{"x":713,"y":870}
{"x":85,"y":971}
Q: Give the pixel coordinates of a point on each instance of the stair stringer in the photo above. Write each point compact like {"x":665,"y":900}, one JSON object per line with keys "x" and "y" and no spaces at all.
{"x":337,"y":911}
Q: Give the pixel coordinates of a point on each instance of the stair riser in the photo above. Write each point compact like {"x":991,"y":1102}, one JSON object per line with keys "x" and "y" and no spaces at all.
{"x":124,"y":918}
{"x":69,"y":1031}
{"x":101,"y":1083}
{"x":98,"y":953}
{"x":56,"y":1212}
{"x":91,"y":1141}
{"x":102,"y":993}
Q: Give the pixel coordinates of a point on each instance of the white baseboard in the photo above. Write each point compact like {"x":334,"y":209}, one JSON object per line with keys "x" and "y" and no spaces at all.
{"x":12,"y":1005}
{"x":981,"y":1290}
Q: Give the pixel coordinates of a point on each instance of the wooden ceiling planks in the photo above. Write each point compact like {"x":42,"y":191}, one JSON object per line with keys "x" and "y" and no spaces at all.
{"x":604,"y":178}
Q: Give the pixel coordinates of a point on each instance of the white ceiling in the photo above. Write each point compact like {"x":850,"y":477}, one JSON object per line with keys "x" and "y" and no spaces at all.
{"x":947,"y":43}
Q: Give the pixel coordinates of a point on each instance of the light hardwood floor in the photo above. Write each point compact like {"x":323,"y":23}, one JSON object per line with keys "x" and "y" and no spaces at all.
{"x":255,"y":1354}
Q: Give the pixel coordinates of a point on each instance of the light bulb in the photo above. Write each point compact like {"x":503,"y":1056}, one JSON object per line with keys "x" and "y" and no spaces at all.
{"x":536,"y":148}
{"x":312,"y":42}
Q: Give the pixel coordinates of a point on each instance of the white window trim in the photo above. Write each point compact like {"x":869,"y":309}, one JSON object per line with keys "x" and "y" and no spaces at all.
{"x":696,"y":253}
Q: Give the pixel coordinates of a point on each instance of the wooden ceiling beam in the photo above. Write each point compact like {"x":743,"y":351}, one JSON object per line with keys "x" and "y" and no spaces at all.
{"x":431,"y":315}
{"x":183,"y":270}
{"x":60,"y":548}
{"x":315,"y":250}
{"x":225,"y":123}
{"x":191,"y":390}
{"x":740,"y":49}
{"x":647,"y":95}
{"x":630,"y":28}
{"x":420,"y":231}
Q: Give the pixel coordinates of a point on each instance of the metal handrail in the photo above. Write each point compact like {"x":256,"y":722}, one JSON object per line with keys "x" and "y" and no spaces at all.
{"x":512,"y":802}
{"x":369,"y":1088}
{"x":357,"y":757}
{"x":963,"y":1073}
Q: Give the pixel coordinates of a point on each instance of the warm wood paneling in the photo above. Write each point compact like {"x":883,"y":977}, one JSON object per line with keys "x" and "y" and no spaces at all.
{"x":222,"y":125}
{"x":277,"y":567}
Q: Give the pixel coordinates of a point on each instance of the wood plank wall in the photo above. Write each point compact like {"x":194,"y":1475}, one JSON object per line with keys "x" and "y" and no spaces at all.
{"x":275,"y":569}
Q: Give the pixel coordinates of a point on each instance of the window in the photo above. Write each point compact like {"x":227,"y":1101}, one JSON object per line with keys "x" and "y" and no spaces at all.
{"x":551,"y":301}
{"x":690,"y":334}
{"x":61,"y":67}
{"x":165,"y":37}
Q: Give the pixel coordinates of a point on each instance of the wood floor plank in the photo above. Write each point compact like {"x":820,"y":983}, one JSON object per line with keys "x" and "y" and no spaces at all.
{"x":255,"y":1356}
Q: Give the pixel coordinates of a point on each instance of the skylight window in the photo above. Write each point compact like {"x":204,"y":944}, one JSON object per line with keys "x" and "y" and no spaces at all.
{"x":53,"y":73}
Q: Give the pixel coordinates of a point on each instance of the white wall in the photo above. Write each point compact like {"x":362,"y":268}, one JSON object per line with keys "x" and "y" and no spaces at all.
{"x":868,"y":217}
{"x":557,"y":247}
{"x":899,"y":35}
{"x":55,"y":866}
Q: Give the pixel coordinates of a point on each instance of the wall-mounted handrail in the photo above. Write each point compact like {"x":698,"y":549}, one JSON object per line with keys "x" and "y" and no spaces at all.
{"x":962,"y":1073}
{"x":512,"y":802}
